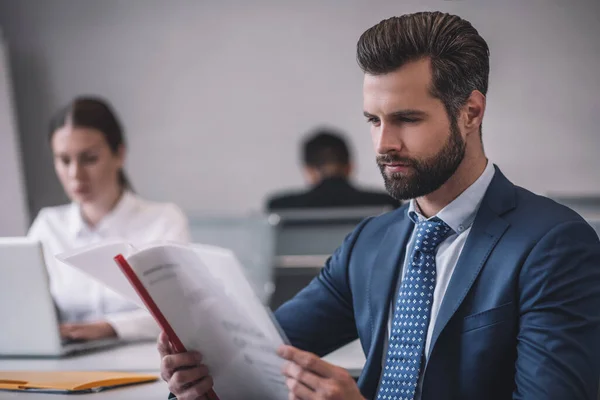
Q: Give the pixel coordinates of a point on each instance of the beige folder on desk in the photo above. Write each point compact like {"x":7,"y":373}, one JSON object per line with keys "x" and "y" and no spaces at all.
{"x":69,"y":382}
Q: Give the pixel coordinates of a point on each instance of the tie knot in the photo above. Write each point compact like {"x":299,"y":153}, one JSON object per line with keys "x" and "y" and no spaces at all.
{"x":430,"y":234}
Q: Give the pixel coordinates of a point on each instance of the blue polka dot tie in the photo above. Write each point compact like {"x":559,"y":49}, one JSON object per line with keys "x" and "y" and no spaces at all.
{"x":411,"y":315}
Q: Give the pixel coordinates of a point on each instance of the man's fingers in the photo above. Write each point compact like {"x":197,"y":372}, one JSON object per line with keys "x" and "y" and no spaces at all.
{"x":307,"y":361}
{"x":164,"y":345}
{"x":196,"y":390}
{"x":298,"y":390}
{"x":200,"y":389}
{"x":173,"y":362}
{"x":296,"y":372}
{"x":185,"y":378}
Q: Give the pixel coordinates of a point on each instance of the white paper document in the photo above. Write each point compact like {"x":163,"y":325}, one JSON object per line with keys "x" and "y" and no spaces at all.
{"x":204,"y":295}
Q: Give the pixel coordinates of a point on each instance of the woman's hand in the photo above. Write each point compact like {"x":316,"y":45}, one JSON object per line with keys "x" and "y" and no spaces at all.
{"x":87,"y":330}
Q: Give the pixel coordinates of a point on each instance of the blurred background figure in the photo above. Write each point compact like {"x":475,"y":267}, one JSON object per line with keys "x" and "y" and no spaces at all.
{"x":88,"y":145}
{"x":327,"y":168}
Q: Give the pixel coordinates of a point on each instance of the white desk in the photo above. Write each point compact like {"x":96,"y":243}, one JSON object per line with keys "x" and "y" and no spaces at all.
{"x":140,"y":357}
{"x":350,"y":357}
{"x":301,"y":261}
{"x":149,"y":391}
{"x":144,"y":358}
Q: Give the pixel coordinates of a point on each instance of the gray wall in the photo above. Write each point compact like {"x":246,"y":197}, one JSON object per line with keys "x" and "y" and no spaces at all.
{"x":13,"y":210}
{"x":216,"y":95}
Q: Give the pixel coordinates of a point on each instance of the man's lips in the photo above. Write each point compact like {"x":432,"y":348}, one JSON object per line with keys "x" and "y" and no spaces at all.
{"x":396,"y":167}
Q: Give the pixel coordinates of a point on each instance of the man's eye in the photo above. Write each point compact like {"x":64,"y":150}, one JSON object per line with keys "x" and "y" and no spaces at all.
{"x":408,"y":120}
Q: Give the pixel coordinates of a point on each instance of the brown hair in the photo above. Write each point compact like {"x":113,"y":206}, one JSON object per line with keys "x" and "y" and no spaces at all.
{"x":459,"y":55}
{"x":95,"y":113}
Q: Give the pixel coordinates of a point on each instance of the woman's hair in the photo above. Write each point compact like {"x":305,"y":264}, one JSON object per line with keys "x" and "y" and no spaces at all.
{"x":94,"y":113}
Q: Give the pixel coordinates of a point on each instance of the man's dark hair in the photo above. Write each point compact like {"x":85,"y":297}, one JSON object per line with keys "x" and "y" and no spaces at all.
{"x":459,"y":55}
{"x":325,"y":146}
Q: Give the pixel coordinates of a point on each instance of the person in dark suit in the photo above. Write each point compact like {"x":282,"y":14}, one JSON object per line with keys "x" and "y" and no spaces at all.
{"x":475,"y":289}
{"x":327,"y":168}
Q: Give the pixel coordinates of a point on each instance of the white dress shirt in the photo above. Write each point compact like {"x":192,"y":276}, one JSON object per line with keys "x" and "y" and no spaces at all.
{"x":80,"y":298}
{"x":458,"y":215}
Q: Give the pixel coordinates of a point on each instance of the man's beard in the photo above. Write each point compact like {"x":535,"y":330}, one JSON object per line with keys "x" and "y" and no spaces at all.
{"x":427,"y":175}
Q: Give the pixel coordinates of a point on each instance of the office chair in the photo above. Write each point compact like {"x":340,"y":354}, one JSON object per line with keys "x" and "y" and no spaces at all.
{"x":251,"y":238}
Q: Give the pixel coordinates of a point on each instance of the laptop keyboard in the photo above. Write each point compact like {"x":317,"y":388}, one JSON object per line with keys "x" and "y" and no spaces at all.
{"x":68,"y":341}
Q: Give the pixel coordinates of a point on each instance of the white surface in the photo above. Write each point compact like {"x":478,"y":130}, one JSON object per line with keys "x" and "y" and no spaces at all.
{"x":203,"y":289}
{"x":31,"y":327}
{"x":305,"y":261}
{"x":13,"y":215}
{"x":215,"y":96}
{"x":350,"y":357}
{"x":148,"y":391}
{"x":96,"y":261}
{"x":145,"y":358}
{"x":141,"y":357}
{"x":136,"y":357}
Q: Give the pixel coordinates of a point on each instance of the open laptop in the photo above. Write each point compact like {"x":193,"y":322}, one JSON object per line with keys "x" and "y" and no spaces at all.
{"x":29,"y":325}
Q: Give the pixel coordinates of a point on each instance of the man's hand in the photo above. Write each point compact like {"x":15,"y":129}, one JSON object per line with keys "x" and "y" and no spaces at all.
{"x":309,"y":377}
{"x":87,"y":330}
{"x":187,"y":377}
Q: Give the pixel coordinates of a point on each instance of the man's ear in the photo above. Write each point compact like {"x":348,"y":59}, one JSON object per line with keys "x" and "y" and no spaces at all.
{"x":473,"y":111}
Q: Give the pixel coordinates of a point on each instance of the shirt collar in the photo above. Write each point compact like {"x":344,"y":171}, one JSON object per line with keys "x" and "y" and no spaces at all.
{"x":76,"y":224}
{"x":461,"y":212}
{"x":112,"y":220}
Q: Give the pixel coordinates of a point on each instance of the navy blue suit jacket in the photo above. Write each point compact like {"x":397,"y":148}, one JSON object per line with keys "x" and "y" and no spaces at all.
{"x":520,"y":318}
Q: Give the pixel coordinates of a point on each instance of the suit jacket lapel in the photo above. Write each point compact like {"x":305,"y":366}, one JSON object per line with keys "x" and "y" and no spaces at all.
{"x":383,"y":279}
{"x":485,"y":233}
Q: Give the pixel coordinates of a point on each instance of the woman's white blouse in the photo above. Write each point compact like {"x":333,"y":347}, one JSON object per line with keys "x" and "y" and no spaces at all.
{"x":80,"y":298}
